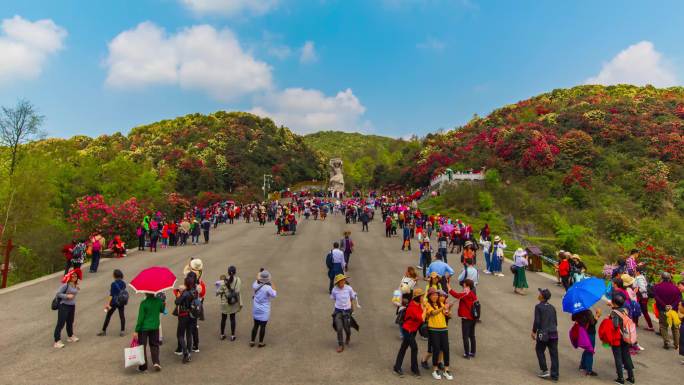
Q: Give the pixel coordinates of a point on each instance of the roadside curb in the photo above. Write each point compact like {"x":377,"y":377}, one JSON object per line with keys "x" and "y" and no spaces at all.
{"x":48,"y":277}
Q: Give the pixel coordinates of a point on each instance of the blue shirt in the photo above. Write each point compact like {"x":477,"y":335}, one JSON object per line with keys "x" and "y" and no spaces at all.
{"x":440,"y":268}
{"x":261,"y":307}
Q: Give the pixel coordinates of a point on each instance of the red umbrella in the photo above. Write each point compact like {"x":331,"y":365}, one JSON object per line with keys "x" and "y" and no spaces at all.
{"x":153,"y":280}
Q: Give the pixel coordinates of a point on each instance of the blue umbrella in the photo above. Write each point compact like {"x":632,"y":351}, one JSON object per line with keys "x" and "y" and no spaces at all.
{"x":583,"y":295}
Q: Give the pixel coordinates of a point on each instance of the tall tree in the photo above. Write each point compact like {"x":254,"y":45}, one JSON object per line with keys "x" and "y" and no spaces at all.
{"x":19,"y":125}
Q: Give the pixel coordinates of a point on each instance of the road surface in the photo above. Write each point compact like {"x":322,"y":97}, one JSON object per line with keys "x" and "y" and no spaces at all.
{"x":300,"y":341}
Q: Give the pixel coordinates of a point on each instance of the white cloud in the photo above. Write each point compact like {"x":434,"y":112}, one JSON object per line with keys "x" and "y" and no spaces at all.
{"x":308,"y":54}
{"x":25,"y":46}
{"x":281,"y":52}
{"x":199,"y":57}
{"x":638,"y":64}
{"x":230,"y":7}
{"x":306,"y":110}
{"x":432,"y":44}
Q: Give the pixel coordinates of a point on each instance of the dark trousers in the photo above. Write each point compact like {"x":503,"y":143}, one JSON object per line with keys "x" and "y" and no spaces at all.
{"x":67,"y":266}
{"x":425,"y":262}
{"x":184,"y":333}
{"x":540,"y":348}
{"x":587,"y":361}
{"x":149,"y":338}
{"x":408,"y":341}
{"x":388,"y":232}
{"x":232,"y":323}
{"x":65,"y":316}
{"x":141,"y":241}
{"x":364,"y":226}
{"x":95,"y":262}
{"x":153,"y":242}
{"x":108,"y":316}
{"x":172,"y":239}
{"x":206,"y":236}
{"x":342,"y":320}
{"x":623,"y":360}
{"x":440,"y":344}
{"x":468,"y":332}
{"x":565,"y":280}
{"x":643,"y":303}
{"x":259,"y":326}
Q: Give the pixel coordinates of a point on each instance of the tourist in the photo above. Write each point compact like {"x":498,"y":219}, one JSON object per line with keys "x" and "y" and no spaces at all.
{"x":365,"y":218}
{"x":264,"y":292}
{"x":441,"y":268}
{"x":587,"y":320}
{"x":442,"y":244}
{"x":388,"y":226}
{"x":147,"y":328}
{"x":680,"y":312}
{"x":343,"y":295}
{"x":564,"y":271}
{"x":206,"y":226}
{"x":118,"y":247}
{"x":435,"y":316}
{"x":184,"y":230}
{"x":336,"y":264}
{"x":519,"y":278}
{"x":231,"y":301}
{"x":347,"y":246}
{"x":195,"y":232}
{"x":66,"y":310}
{"x":185,"y":295}
{"x":116,"y":302}
{"x":469,"y":272}
{"x":667,"y":297}
{"x":621,"y":355}
{"x":486,"y":244}
{"x":154,"y":234}
{"x":425,"y":255}
{"x":466,"y":301}
{"x":406,"y":238}
{"x":95,"y":244}
{"x":545,"y":333}
{"x":144,"y":229}
{"x":577,"y":268}
{"x":414,"y":316}
{"x":641,"y":285}
{"x":497,"y":255}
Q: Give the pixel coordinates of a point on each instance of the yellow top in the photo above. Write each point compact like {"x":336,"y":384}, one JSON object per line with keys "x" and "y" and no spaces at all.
{"x":435,"y":317}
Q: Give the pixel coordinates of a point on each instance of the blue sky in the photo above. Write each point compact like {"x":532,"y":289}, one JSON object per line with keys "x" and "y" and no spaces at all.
{"x":390,"y":67}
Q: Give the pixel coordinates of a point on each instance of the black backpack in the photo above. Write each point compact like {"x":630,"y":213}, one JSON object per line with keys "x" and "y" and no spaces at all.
{"x":329,"y":260}
{"x":231,"y":295}
{"x":122,"y":298}
{"x":475,"y":311}
{"x":196,"y":305}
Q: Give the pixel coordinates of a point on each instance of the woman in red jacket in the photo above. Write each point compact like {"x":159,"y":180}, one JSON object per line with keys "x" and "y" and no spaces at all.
{"x":466,"y":299}
{"x":414,"y":316}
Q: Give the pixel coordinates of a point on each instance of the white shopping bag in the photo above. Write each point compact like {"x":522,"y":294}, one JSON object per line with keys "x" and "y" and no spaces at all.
{"x":135,"y":355}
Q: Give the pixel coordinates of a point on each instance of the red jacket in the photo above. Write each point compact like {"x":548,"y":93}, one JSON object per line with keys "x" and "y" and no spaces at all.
{"x":413,"y":317}
{"x":465,"y":303}
{"x":564,"y":268}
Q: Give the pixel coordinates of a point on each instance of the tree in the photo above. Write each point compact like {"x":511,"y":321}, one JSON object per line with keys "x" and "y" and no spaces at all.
{"x":19,"y":125}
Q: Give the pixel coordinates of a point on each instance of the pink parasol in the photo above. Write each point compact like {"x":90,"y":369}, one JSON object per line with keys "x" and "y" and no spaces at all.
{"x":448,"y":228}
{"x":153,"y":280}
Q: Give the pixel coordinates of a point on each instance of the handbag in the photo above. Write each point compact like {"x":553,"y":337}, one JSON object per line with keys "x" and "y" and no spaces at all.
{"x":57,"y":301}
{"x":423,"y":330}
{"x":134,"y":355}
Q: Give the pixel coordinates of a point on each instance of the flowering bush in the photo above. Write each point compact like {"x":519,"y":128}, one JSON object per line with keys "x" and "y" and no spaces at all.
{"x":578,"y":176}
{"x":91,"y":213}
{"x":655,"y":260}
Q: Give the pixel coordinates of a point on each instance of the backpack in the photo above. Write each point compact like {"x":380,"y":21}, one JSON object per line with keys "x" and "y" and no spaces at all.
{"x":608,"y":334}
{"x":329,"y":260}
{"x":634,"y":309}
{"x":231,"y":295}
{"x":476,"y":310}
{"x":629,"y":333}
{"x":196,"y":309}
{"x":79,"y":252}
{"x":122,"y":298}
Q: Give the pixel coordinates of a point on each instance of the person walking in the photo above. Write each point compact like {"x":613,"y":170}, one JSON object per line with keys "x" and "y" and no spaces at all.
{"x":343,"y":295}
{"x":414,"y":316}
{"x":95,"y":244}
{"x":264,"y":292}
{"x":641,"y":286}
{"x":206,"y":226}
{"x":564,"y":271}
{"x":347,"y":246}
{"x":154,"y":235}
{"x":143,"y":230}
{"x":147,"y":328}
{"x":520,"y":262}
{"x":587,"y":320}
{"x":231,"y":301}
{"x":425,"y":256}
{"x":497,"y":256}
{"x":365,"y":218}
{"x":486,"y":244}
{"x":435,"y":316}
{"x":184,"y":230}
{"x":116,"y":302}
{"x":406,"y":238}
{"x":336,"y":264}
{"x":466,"y":301}
{"x":442,"y":245}
{"x":619,"y":317}
{"x":388,"y":226}
{"x":66,"y":310}
{"x":545,"y":333}
{"x":667,"y":297}
{"x":185,"y":295}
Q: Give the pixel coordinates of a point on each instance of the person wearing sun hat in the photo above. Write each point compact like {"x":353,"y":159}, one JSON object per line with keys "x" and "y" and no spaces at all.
{"x":497,"y":256}
{"x":414,"y":316}
{"x":66,"y":309}
{"x":519,"y":278}
{"x":343,"y":295}
{"x":264,"y":292}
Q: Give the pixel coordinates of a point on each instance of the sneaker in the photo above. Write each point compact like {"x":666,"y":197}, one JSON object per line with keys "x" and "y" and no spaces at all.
{"x":487,"y":272}
{"x":72,"y":339}
{"x":425,"y":365}
{"x":157,"y":367}
{"x":251,"y":344}
{"x":58,"y":345}
{"x":222,"y":337}
{"x":619,"y":381}
{"x":102,"y":334}
{"x":195,"y":350}
{"x":122,"y":333}
{"x":466,"y":356}
{"x":178,"y":352}
{"x":641,"y":348}
{"x":261,"y":345}
{"x":592,"y":374}
{"x":472,"y":355}
{"x":232,"y":338}
{"x":631,"y":380}
{"x":436,"y":375}
{"x":398,"y":372}
{"x":419,"y":267}
{"x":544,"y":374}
{"x":186,"y":359}
{"x":340,"y":349}
{"x":447,"y":375}
{"x":417,"y":373}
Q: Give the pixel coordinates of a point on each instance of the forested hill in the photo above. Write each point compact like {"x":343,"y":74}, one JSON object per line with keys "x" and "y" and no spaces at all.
{"x":591,"y":168}
{"x":369,"y":160}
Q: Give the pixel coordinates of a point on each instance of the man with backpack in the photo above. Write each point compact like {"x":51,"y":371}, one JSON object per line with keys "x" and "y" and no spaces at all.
{"x":336,"y":264}
{"x":117,"y":300}
{"x":623,"y":327}
{"x":206,"y":226}
{"x":545,"y":333}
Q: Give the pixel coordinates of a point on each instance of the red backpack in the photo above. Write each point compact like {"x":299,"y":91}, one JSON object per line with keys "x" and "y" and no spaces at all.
{"x":608,"y":334}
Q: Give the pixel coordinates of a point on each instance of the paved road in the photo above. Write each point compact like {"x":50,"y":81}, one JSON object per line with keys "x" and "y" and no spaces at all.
{"x":301,"y":342}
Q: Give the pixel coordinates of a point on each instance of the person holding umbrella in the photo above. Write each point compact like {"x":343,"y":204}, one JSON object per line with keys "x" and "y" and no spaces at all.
{"x":152,"y":281}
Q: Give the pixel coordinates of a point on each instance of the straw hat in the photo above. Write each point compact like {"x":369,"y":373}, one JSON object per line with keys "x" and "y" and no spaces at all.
{"x":339,"y":277}
{"x":497,"y":239}
{"x":418,"y":292}
{"x":195,"y":265}
{"x":575,"y":256}
{"x":627,"y":279}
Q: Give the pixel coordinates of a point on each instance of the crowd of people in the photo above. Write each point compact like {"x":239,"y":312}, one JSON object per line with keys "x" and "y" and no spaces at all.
{"x":423,"y":308}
